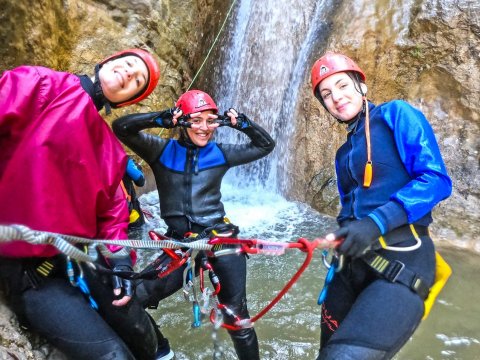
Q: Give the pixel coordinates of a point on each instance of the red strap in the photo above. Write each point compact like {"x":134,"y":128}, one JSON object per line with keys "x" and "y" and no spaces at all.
{"x":177,"y":260}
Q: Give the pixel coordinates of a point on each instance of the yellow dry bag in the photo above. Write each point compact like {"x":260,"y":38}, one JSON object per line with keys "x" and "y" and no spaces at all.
{"x":442,"y":273}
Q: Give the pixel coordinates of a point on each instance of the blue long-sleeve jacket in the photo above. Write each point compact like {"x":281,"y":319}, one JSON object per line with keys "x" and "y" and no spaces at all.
{"x":409,"y":175}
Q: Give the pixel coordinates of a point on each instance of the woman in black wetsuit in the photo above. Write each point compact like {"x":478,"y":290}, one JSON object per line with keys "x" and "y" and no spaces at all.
{"x":189,"y":173}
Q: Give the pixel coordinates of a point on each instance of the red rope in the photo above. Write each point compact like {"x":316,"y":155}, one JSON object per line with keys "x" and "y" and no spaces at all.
{"x":253,"y":246}
{"x":302,"y":244}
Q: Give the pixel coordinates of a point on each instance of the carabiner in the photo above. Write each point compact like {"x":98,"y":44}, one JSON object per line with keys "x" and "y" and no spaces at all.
{"x":338,"y":259}
{"x":206,"y":266}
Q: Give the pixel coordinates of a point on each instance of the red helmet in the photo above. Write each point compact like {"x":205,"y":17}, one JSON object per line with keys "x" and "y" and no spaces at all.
{"x":153,"y":74}
{"x":194,"y":101}
{"x":332,"y":63}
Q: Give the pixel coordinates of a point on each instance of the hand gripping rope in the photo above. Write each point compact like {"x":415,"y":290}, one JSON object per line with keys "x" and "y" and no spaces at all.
{"x":216,"y":246}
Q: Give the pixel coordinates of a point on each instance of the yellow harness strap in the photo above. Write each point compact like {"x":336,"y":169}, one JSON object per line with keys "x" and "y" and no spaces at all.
{"x":45,"y":268}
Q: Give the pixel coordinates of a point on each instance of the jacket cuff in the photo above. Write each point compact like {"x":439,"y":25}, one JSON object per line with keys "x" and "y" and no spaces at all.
{"x":389,"y":216}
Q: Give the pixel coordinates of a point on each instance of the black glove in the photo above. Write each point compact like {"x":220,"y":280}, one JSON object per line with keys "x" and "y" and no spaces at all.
{"x":357,"y":237}
{"x":224,"y":120}
{"x":183,"y":121}
{"x":243,"y":122}
{"x":120,"y":265}
{"x":164,"y":118}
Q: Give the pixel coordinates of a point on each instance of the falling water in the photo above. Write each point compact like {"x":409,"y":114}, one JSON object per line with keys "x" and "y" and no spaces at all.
{"x":266,"y":58}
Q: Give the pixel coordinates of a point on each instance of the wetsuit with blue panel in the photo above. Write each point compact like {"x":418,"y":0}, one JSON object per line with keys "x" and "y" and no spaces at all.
{"x":188,"y":180}
{"x":365,"y":315}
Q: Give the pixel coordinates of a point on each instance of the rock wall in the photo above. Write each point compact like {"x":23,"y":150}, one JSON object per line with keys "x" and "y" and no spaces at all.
{"x":72,"y":35}
{"x":428,"y":53}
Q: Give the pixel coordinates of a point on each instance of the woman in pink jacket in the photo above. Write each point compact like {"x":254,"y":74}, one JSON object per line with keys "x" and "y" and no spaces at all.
{"x":60,"y":171}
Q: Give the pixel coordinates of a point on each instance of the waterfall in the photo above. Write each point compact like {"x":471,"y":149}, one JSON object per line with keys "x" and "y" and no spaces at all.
{"x":263,"y":64}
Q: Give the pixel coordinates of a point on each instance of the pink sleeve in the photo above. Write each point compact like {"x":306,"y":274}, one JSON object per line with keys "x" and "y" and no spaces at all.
{"x":113,"y":221}
{"x":20,"y":96}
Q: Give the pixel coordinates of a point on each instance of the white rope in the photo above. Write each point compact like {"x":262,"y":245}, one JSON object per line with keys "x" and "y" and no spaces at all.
{"x":65,"y":243}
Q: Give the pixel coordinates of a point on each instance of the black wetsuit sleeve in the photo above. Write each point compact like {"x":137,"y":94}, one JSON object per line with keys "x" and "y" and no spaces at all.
{"x":129,"y":128}
{"x":261,"y":145}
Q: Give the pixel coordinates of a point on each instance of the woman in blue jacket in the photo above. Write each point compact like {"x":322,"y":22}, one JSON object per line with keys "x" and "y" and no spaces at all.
{"x":189,"y":174}
{"x":390,"y":176}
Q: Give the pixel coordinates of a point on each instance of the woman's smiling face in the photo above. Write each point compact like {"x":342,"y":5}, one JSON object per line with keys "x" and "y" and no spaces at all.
{"x":202,"y":128}
{"x":341,"y":96}
{"x":123,"y":78}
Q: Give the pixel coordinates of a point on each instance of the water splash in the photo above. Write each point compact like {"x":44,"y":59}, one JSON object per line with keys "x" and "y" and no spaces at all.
{"x":259,"y":214}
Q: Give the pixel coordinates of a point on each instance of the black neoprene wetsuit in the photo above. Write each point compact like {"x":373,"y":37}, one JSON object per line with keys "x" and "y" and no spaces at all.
{"x":188,"y":180}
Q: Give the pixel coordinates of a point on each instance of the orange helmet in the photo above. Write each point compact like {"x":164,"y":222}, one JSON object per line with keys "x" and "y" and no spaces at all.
{"x":195,"y":101}
{"x":332,"y":63}
{"x":153,"y":74}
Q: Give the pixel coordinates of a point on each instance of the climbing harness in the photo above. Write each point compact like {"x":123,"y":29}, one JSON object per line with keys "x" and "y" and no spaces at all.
{"x":385,"y":240}
{"x":177,"y":258}
{"x":396,"y":272}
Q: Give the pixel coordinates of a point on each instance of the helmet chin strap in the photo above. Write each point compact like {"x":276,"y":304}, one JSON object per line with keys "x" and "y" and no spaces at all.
{"x":99,"y":92}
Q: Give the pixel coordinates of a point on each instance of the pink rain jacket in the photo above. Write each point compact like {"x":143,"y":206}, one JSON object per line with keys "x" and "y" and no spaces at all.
{"x":60,"y":163}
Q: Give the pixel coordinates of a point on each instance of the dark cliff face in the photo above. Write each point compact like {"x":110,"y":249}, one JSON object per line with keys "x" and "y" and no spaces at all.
{"x":427,"y":53}
{"x":72,"y":35}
